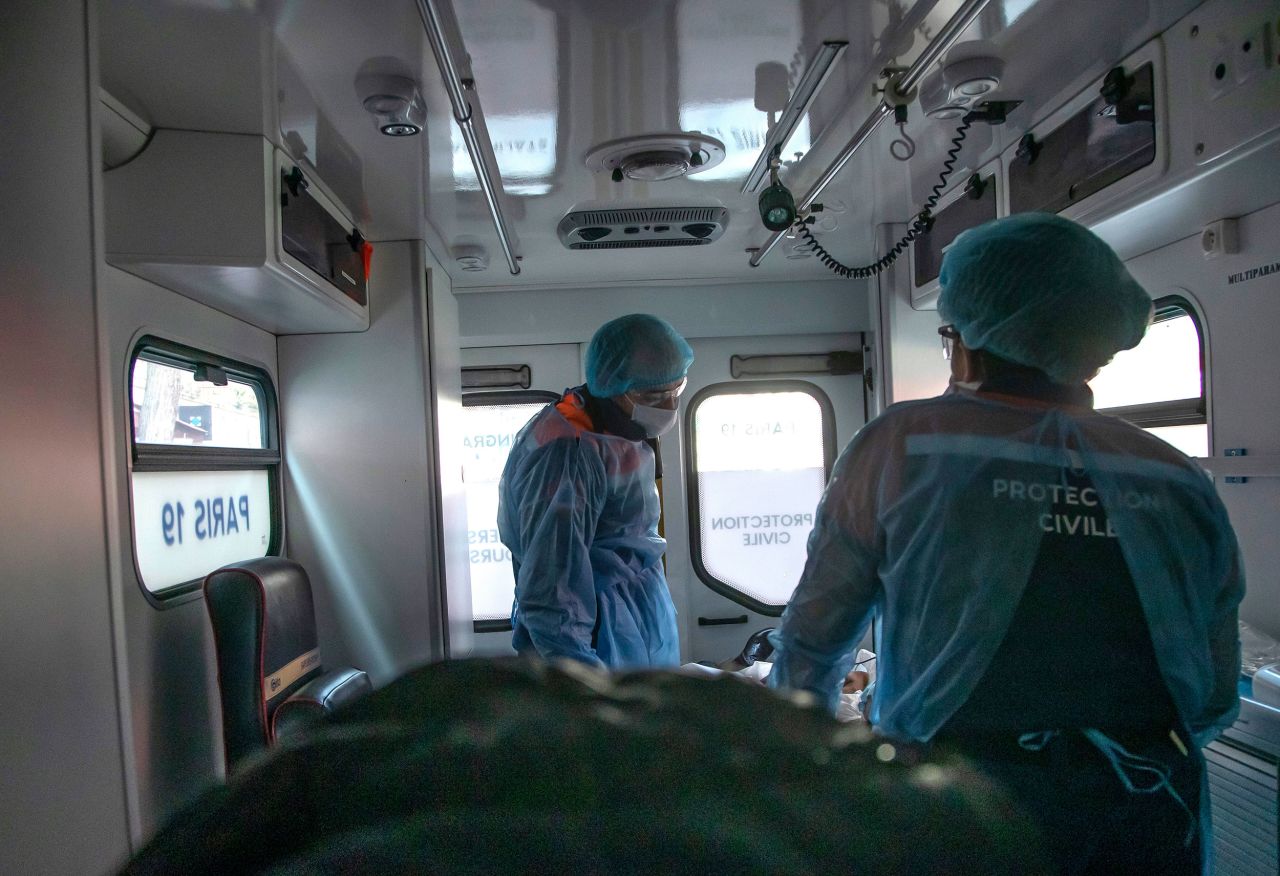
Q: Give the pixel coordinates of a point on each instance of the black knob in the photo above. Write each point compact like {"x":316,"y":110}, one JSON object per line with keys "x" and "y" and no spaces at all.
{"x":1115,"y":86}
{"x":294,"y":180}
{"x":1028,"y":149}
{"x":975,"y":188}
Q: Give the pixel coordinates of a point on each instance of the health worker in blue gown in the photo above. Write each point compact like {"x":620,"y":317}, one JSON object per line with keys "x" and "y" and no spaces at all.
{"x":579,"y":507}
{"x":1057,"y":589}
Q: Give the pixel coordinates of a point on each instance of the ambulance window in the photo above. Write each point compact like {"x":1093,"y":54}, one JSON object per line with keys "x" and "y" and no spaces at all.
{"x":205,"y":462}
{"x":1159,"y":384}
{"x":491,"y":421}
{"x":760,"y":453}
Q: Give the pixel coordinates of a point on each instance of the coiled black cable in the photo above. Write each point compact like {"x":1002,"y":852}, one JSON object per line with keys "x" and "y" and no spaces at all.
{"x":919,"y":225}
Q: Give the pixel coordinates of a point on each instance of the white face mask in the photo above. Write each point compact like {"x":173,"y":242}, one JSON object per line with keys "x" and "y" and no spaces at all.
{"x":654,"y":421}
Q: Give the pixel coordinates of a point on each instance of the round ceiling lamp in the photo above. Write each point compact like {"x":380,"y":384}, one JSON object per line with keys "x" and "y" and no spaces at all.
{"x":656,"y":157}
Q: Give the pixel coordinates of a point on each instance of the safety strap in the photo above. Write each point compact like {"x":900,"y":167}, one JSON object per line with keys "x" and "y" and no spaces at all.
{"x":1132,"y":770}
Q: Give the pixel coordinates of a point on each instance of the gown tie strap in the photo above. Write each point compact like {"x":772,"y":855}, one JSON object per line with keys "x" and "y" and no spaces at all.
{"x":1138,"y":775}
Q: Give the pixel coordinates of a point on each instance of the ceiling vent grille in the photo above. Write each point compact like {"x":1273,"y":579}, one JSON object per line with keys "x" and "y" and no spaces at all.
{"x":650,"y":215}
{"x":642,"y":227}
{"x":638,"y":244}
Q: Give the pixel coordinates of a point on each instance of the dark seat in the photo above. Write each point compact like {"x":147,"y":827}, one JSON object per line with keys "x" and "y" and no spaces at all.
{"x":758,"y":647}
{"x":270,"y":676}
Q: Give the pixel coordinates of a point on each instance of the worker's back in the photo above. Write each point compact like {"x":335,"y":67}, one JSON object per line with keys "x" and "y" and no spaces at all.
{"x":977,"y":487}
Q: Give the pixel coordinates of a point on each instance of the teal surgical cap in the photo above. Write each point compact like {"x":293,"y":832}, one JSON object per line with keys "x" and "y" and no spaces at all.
{"x":1042,"y":291}
{"x":637,"y":351}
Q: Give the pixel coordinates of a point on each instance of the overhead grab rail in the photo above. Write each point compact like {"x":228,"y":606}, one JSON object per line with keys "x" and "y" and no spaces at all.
{"x":902,"y":85}
{"x":806,"y":91}
{"x":467,"y":116}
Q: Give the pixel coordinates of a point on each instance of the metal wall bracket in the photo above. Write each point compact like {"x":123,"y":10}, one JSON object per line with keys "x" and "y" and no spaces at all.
{"x":1236,"y":466}
{"x":1235,"y":451}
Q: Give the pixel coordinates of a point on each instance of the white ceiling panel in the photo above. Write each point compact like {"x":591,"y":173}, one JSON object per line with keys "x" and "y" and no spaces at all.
{"x":558,"y":77}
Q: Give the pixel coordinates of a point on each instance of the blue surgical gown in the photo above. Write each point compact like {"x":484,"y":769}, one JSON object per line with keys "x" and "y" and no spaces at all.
{"x":579,"y":509}
{"x":934,"y":517}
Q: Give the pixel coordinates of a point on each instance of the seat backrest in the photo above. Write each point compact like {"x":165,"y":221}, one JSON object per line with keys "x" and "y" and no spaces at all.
{"x":758,"y":647}
{"x":264,"y":632}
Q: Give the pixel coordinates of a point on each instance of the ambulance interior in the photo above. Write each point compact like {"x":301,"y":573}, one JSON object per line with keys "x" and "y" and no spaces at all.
{"x":290,"y":275}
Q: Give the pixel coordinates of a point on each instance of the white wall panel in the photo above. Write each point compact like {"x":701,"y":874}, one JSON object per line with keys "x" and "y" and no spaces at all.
{"x":360,"y":475}
{"x":62,"y":798}
{"x":444,"y":396}
{"x":554,"y":316}
{"x":175,"y":720}
{"x":1240,"y":299}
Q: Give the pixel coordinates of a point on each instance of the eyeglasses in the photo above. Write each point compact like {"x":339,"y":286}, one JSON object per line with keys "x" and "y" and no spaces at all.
{"x":656,"y":398}
{"x":949,"y":338}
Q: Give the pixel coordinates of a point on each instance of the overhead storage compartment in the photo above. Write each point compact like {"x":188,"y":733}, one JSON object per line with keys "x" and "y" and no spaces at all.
{"x":969,"y":204}
{"x":1107,"y":146}
{"x":231,"y":221}
{"x":1100,"y":143}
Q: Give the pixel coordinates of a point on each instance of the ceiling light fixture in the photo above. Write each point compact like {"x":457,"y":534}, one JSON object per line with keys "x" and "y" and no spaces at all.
{"x":471,"y":257}
{"x":777,"y":205}
{"x":951,"y":91}
{"x":656,"y":157}
{"x":395,"y":103}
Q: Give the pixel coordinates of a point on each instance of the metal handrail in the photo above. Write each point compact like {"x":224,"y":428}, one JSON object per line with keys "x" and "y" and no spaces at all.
{"x":465,"y":117}
{"x":802,"y":97}
{"x":936,"y":48}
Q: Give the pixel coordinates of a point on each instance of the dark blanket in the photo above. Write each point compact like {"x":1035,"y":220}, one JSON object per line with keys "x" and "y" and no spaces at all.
{"x":512,"y":766}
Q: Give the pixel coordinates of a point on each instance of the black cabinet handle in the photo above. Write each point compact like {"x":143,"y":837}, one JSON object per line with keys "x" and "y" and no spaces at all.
{"x":722,"y":621}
